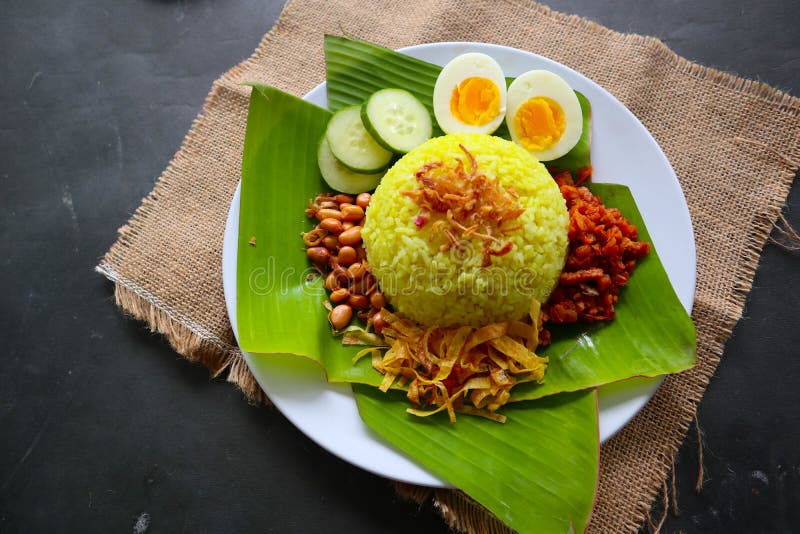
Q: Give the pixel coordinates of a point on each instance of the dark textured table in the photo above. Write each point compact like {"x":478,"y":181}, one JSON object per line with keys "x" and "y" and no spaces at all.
{"x":103,"y":428}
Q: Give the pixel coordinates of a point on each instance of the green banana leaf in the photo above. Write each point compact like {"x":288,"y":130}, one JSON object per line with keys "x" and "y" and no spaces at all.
{"x":279,"y":297}
{"x":356,"y":69}
{"x":280,"y":310}
{"x":580,"y":356}
{"x":537,"y":472}
{"x":517,"y":470}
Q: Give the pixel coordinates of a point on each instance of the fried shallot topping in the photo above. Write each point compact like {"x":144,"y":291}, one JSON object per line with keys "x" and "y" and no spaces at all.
{"x":473,"y":205}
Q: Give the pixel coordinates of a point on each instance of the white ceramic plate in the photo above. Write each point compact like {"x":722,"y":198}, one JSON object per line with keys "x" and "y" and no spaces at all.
{"x":623,"y":152}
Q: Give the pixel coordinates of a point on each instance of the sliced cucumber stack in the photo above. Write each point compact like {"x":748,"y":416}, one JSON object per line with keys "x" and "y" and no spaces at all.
{"x":360,"y":141}
{"x":397,"y":120}
{"x":353,"y":146}
{"x":339,"y":177}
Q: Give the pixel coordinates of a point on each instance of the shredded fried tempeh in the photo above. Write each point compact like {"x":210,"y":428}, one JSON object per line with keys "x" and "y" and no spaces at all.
{"x":459,"y":369}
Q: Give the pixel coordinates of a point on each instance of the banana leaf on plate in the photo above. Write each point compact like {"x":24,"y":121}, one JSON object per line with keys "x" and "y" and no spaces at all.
{"x":538,"y":471}
{"x":280,"y":302}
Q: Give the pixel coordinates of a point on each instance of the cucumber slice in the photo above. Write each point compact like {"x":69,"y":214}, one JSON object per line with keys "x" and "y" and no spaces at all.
{"x":339,"y":177}
{"x":397,"y":120}
{"x":352,"y":145}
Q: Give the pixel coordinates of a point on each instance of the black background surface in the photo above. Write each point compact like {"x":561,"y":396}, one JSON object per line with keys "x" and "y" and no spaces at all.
{"x":101,"y":422}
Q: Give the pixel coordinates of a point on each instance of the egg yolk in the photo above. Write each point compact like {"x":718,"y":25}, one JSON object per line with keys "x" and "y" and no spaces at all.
{"x":539,"y":123}
{"x":475,"y":101}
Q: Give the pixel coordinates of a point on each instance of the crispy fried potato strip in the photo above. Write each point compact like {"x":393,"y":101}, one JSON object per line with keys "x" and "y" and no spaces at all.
{"x":459,"y":369}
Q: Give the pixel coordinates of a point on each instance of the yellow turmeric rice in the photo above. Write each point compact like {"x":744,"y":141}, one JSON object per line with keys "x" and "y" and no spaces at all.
{"x":434,"y":275}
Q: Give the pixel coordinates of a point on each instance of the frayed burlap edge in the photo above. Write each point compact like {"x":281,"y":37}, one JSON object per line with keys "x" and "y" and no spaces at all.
{"x":185,"y":336}
{"x":458,"y":510}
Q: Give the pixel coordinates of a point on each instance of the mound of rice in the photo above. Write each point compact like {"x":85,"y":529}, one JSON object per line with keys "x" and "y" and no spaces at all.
{"x":451,"y":288}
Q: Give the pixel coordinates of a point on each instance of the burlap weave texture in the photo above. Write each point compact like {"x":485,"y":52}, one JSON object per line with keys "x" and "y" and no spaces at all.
{"x":167,"y":262}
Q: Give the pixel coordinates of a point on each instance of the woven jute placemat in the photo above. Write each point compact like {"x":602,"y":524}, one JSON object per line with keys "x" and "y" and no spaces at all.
{"x":741,"y":135}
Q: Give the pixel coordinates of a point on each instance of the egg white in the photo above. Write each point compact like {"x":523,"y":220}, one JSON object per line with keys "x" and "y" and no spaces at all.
{"x":543,"y":83}
{"x":457,"y":70}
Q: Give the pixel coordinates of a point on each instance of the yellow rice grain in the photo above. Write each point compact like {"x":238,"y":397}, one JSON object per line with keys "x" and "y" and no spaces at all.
{"x":451,"y":288}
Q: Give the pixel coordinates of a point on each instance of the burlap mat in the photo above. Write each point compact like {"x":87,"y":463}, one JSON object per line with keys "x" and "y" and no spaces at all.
{"x":734,"y":144}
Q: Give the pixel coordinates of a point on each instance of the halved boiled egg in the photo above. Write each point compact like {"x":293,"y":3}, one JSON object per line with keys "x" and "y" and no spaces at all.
{"x":544,"y":115}
{"x":470,"y":95}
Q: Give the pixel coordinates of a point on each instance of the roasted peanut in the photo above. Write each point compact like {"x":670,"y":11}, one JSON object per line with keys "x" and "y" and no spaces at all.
{"x":331,"y":225}
{"x":368,"y":284}
{"x":340,"y":295}
{"x":377,"y":300}
{"x":356,"y":271}
{"x":347,"y":256}
{"x":351,"y":236}
{"x":327,"y":213}
{"x":359,"y":302}
{"x":347,"y":225}
{"x":331,"y":242}
{"x":331,"y":283}
{"x":342,"y":278}
{"x":340,"y":316}
{"x":341,"y":198}
{"x":328,"y":204}
{"x":314,"y":237}
{"x":318,"y":254}
{"x":352,"y":213}
{"x":363,"y":199}
{"x":379,"y":323}
{"x":362,"y":286}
